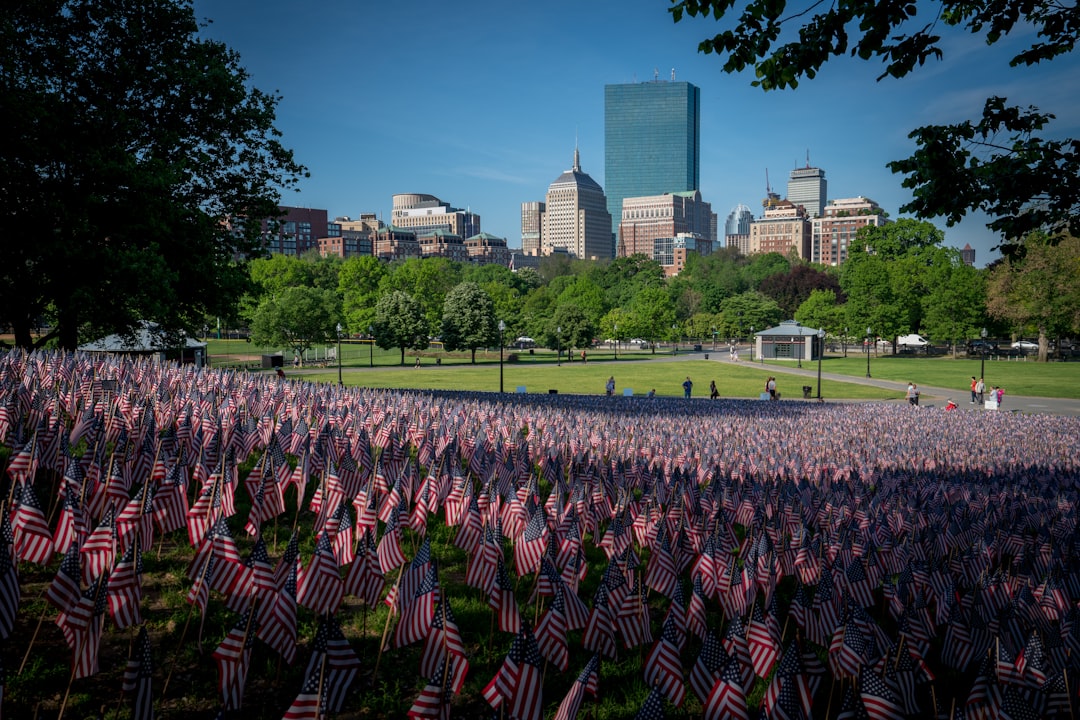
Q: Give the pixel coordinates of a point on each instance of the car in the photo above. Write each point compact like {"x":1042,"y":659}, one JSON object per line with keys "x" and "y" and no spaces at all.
{"x":1025,"y":346}
{"x":977,"y":347}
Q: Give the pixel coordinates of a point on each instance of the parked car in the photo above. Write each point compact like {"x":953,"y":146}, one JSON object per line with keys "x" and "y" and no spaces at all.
{"x":912,"y":341}
{"x":1025,"y":346}
{"x":978,"y":347}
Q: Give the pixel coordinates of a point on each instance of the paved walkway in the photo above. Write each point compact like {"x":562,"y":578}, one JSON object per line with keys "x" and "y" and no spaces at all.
{"x":929,"y":395}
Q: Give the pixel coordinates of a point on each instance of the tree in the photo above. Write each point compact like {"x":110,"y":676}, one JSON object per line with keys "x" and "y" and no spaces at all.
{"x":358,"y":283}
{"x":745,"y":310}
{"x":134,"y":151}
{"x":651,"y":315}
{"x":400,"y":323}
{"x":468,"y":320}
{"x":577,"y":330}
{"x":954,"y":306}
{"x":427,"y":280}
{"x":789,"y":289}
{"x":1037,"y":290}
{"x":821,"y":310}
{"x":997,"y":164}
{"x":296,"y":318}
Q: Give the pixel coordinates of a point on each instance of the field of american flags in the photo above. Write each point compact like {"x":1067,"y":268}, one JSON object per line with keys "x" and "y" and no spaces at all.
{"x":522,"y":556}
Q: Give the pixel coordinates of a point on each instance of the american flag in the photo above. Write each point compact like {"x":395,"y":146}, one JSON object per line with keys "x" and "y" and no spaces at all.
{"x":587,"y":681}
{"x":125,"y":589}
{"x":309,"y":704}
{"x":82,"y":627}
{"x":277,"y":619}
{"x":417,"y":614}
{"x":531,"y":545}
{"x":503,"y":602}
{"x":320,"y":586}
{"x":663,"y":668}
{"x":653,"y":707}
{"x":33,"y":539}
{"x":137,"y":676}
{"x":334,"y":658}
{"x":517,"y":688}
{"x":445,"y":638}
{"x":434,"y":699}
{"x":551,"y":632}
{"x":763,"y":638}
{"x":633,"y":618}
{"x":879,"y":701}
{"x":726,"y":699}
{"x":706,"y":670}
{"x":233,"y":659}
{"x":600,"y":629}
{"x":365,"y":579}
{"x":65,"y":589}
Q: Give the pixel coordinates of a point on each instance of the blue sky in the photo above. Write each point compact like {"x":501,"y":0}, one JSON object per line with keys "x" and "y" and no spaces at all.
{"x":480,"y":103}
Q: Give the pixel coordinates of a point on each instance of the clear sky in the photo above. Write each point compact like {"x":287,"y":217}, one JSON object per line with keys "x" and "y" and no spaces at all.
{"x":481,"y":103}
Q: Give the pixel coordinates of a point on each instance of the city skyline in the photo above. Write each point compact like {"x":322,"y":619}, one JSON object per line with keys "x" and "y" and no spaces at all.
{"x":483,"y":105}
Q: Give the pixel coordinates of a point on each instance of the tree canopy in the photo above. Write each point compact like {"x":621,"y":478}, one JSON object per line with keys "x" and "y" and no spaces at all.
{"x":133,"y":151}
{"x":997,"y":163}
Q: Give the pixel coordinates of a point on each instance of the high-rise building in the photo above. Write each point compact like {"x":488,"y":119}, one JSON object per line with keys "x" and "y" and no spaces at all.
{"x":967,"y":254}
{"x":645,"y":219}
{"x":785,"y":229}
{"x":807,"y":187}
{"x":532,"y":214}
{"x":833,"y":232}
{"x":488,"y":249}
{"x":737,"y":229}
{"x":576,"y":219}
{"x":652,"y":141}
{"x":427,"y":213}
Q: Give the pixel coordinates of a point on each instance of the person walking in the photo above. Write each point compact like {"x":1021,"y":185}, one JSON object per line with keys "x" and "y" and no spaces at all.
{"x":713,"y":392}
{"x":770,"y":386}
{"x":980,"y":391}
{"x":687,"y":386}
{"x":610,"y":387}
{"x":974,"y":390}
{"x":910,"y":394}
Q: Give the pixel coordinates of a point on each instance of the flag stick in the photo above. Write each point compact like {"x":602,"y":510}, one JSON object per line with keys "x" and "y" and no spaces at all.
{"x":79,"y":648}
{"x":41,"y":619}
{"x":389,"y":616}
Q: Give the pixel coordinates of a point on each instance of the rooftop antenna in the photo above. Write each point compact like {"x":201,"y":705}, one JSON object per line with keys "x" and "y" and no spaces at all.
{"x":655,"y":74}
{"x":672,"y":74}
{"x":768,"y":188}
{"x":807,"y":157}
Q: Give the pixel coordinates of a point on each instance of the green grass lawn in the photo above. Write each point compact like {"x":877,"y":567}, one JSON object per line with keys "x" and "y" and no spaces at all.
{"x":1018,"y":377}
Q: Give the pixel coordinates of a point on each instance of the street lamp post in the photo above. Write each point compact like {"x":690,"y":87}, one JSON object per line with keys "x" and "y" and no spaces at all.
{"x":616,"y":341}
{"x":674,"y":341}
{"x":982,"y":363}
{"x":752,"y":343}
{"x":843,"y":342}
{"x":558,"y":346}
{"x":502,"y":326}
{"x":868,"y":341}
{"x":339,"y":355}
{"x":802,"y":347}
{"x":371,"y":346}
{"x":714,"y":338}
{"x":820,"y":352}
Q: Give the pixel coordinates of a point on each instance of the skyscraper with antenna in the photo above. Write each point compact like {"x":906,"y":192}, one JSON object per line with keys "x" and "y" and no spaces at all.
{"x":807,"y":187}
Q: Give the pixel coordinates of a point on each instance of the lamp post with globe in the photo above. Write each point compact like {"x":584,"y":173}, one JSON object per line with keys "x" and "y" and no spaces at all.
{"x":869,"y":339}
{"x":821,"y":351}
{"x":339,"y":355}
{"x":502,"y":327}
{"x":982,"y":362}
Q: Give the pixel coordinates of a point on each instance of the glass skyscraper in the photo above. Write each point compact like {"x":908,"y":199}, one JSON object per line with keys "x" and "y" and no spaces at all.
{"x":652,"y":141}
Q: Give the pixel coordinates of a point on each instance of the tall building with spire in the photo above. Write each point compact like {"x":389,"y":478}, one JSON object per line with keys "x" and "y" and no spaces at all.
{"x":652,"y":141}
{"x":737,"y":229}
{"x":575,"y":218}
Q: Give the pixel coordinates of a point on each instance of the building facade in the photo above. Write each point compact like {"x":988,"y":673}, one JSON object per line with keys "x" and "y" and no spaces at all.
{"x":394,"y":243}
{"x":576,"y":219}
{"x":737,"y":229}
{"x":670,"y":252}
{"x":833,"y":232}
{"x":807,"y":187}
{"x":967,"y":254}
{"x":652,"y":141}
{"x":784,"y":229}
{"x":488,"y":249}
{"x":296,"y":232}
{"x":427,"y":213}
{"x":532,"y":216}
{"x":645,"y":219}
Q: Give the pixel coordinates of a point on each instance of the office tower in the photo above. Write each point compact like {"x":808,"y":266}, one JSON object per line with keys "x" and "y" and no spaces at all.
{"x":296,"y":232}
{"x":833,"y":232}
{"x":737,"y":229}
{"x":576,"y":220}
{"x":532,"y":214}
{"x":807,"y":187}
{"x":645,"y":219}
{"x":785,"y":229}
{"x":652,"y":142}
{"x":426,"y":213}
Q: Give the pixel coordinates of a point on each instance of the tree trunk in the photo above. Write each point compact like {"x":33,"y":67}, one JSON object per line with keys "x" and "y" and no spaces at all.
{"x":474,"y":356}
{"x":402,"y":356}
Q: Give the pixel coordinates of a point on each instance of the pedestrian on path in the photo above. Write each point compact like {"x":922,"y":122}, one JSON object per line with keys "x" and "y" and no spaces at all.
{"x":974,"y":390}
{"x":610,"y":387}
{"x":687,"y":386}
{"x":713,"y":392}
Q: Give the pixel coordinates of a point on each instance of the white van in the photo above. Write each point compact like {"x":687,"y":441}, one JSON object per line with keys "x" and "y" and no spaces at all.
{"x":912,"y":341}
